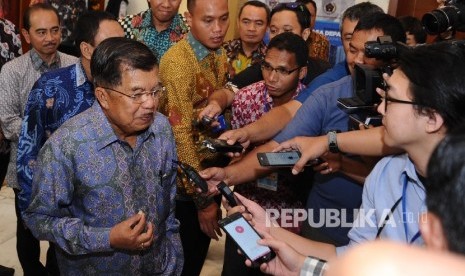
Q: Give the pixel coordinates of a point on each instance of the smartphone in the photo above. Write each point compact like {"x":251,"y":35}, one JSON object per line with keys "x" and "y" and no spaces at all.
{"x":352,"y":105}
{"x":245,"y":236}
{"x":357,"y":119}
{"x":217,"y":145}
{"x":227,"y":193}
{"x":282,"y":159}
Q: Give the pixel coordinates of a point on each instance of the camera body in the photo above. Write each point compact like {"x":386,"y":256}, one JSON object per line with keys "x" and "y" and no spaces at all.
{"x":367,"y":78}
{"x":449,"y":17}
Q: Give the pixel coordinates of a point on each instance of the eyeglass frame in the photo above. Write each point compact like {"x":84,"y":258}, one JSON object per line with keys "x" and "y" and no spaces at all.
{"x":387,"y":99}
{"x":156,"y":93}
{"x":280,"y":71}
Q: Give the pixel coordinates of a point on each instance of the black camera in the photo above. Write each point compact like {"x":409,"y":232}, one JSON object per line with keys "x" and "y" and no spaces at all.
{"x":449,"y":17}
{"x":384,"y":48}
{"x":366,"y":78}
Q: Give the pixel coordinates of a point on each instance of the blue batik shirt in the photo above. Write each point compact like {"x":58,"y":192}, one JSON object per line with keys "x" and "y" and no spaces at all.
{"x":140,"y":28}
{"x":55,"y":97}
{"x":87,"y":181}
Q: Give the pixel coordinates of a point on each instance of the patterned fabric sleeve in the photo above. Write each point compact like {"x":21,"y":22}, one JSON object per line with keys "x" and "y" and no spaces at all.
{"x":10,"y":115}
{"x":30,"y":140}
{"x":10,"y":46}
{"x":318,"y":46}
{"x":47,"y":214}
{"x":313,"y":267}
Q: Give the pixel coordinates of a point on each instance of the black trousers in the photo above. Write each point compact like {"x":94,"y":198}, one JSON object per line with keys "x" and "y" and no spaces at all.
{"x":194,"y":242}
{"x":28,"y":248}
{"x":234,"y":263}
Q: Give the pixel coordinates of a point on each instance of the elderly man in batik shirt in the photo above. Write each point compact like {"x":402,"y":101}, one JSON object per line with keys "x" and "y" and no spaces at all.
{"x":159,"y":27}
{"x":104,"y":189}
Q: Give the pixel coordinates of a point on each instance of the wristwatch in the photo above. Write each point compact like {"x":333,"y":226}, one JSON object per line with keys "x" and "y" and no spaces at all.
{"x":332,"y":141}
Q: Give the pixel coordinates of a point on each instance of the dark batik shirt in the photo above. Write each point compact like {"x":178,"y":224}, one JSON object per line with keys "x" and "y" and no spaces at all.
{"x":55,"y":97}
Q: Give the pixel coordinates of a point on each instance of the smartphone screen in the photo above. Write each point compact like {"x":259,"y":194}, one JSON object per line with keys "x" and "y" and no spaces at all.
{"x":246,"y":238}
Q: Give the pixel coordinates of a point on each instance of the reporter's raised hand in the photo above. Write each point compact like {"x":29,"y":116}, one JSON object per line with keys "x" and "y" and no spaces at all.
{"x":309,"y":147}
{"x":287,"y":261}
{"x":212,"y":110}
{"x":236,"y":135}
{"x":213,"y":176}
{"x":260,"y":219}
{"x":134,"y":233}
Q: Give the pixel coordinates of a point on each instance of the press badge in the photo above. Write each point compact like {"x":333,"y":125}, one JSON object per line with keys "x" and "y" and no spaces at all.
{"x":269,"y":182}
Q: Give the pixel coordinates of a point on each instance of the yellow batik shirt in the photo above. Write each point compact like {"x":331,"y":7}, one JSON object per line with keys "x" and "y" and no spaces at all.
{"x":318,"y":46}
{"x":190,"y":72}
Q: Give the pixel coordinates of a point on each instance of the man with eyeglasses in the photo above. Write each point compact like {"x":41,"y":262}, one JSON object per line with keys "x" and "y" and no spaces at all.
{"x":283,"y":68}
{"x":104,"y":188}
{"x":41,"y":29}
{"x":319,"y":114}
{"x":285,"y":17}
{"x":58,"y":96}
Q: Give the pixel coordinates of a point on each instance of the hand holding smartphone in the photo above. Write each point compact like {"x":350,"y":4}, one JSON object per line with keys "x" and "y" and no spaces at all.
{"x":245,"y":236}
{"x":283,"y":159}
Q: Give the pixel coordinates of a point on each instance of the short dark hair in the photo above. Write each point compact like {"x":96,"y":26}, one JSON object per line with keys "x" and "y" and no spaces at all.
{"x":302,"y":13}
{"x":413,"y":26}
{"x":87,"y":26}
{"x":257,"y":4}
{"x":355,"y":12}
{"x":445,"y":188}
{"x":39,"y":6}
{"x":305,"y":2}
{"x":293,"y":44}
{"x":386,"y":23}
{"x":109,"y":57}
{"x":436,"y":80}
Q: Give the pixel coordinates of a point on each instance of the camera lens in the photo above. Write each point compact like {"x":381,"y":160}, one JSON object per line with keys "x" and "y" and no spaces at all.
{"x":440,"y":20}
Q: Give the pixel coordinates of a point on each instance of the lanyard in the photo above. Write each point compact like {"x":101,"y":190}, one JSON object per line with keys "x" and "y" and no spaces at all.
{"x":404,"y":213}
{"x":402,"y":199}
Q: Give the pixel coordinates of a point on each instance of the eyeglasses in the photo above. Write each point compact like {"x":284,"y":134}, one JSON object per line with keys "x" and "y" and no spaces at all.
{"x":388,"y":99}
{"x":141,"y":97}
{"x":266,"y":67}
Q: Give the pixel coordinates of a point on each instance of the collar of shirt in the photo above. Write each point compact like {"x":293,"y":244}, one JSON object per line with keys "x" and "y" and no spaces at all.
{"x":81,"y":76}
{"x":200,"y":51}
{"x":411,"y":173}
{"x":234,"y":48}
{"x":104,"y":133}
{"x":147,"y":22}
{"x":40,"y":65}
